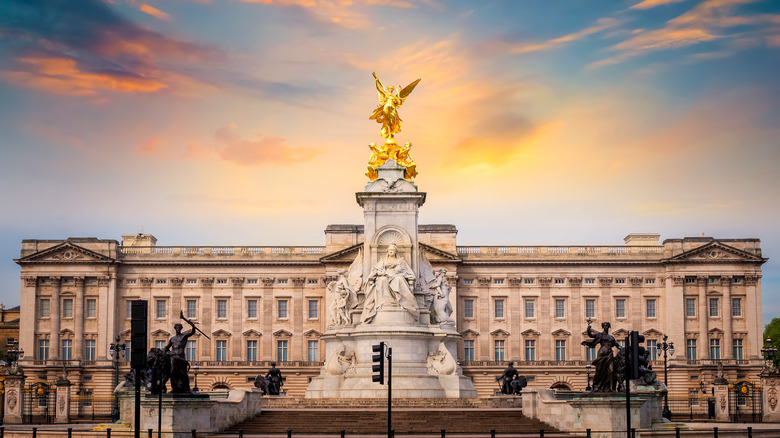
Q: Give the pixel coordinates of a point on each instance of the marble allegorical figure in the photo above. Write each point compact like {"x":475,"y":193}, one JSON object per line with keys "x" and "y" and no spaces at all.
{"x":442,"y":308}
{"x":605,"y":377}
{"x":390,"y":283}
{"x":345,"y":293}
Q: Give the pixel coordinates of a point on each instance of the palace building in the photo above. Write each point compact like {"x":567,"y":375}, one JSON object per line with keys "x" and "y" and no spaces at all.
{"x":526,"y":304}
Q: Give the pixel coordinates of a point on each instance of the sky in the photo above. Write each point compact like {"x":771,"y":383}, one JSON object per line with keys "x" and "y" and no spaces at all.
{"x":549,"y":122}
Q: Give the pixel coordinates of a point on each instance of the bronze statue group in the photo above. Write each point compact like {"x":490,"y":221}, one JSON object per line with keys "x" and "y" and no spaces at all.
{"x":169,"y":365}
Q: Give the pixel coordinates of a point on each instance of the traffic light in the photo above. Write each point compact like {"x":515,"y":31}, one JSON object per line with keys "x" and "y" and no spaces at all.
{"x":379,"y":363}
{"x":637,"y":353}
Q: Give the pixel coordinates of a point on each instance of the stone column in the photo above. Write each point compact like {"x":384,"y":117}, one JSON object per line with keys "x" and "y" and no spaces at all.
{"x":577,"y":315}
{"x":267,"y":318}
{"x":237,"y":317}
{"x":674,"y":320}
{"x":704,"y":318}
{"x":634,"y":312}
{"x":206,"y":312}
{"x":754,"y":328}
{"x":63,"y":400}
{"x":728,"y":335}
{"x":298,"y":347}
{"x":721,"y":400}
{"x":545,"y":316}
{"x":515,"y":310}
{"x":770,"y":382}
{"x":109,"y":312}
{"x":78,"y":318}
{"x":14,"y":390}
{"x":54,"y":344}
{"x":28,"y":311}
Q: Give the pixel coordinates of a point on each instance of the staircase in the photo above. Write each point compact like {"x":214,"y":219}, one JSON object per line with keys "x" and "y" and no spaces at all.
{"x":369,"y":417}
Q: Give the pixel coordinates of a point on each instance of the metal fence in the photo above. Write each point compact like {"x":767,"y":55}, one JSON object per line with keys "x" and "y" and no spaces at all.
{"x":91,"y":408}
{"x":689,"y":407}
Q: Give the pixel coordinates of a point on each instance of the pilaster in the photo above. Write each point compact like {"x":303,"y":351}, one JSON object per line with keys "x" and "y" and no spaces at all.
{"x":728,"y":334}
{"x":755,"y":329}
{"x":207,"y":313}
{"x":721,"y":401}
{"x":79,"y":316}
{"x":545,"y":317}
{"x":28,"y":312}
{"x":703,"y":317}
{"x":54,"y":345}
{"x":108,"y":327}
{"x":237,"y":317}
{"x":675,"y":313}
{"x":576,"y":315}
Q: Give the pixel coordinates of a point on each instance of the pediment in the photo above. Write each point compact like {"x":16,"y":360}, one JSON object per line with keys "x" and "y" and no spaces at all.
{"x":620,"y":333}
{"x":161,"y":332}
{"x":716,"y":252}
{"x":715,"y":331}
{"x":531,"y":332}
{"x":312,"y":334}
{"x":66,"y":252}
{"x":470,"y":333}
{"x":439,"y":255}
{"x":653,"y":333}
{"x":222,"y":333}
{"x":561,"y":332}
{"x":125,"y":334}
{"x":499,"y":332}
{"x":282,"y":334}
{"x":252,"y":332}
{"x":66,"y":333}
{"x":346,"y":255}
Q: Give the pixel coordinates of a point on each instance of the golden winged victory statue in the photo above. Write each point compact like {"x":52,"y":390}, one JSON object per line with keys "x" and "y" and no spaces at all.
{"x":386,"y":114}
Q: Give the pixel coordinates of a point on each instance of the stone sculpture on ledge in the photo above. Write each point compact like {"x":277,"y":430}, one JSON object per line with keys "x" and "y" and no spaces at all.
{"x":391,"y":282}
{"x":175,"y":349}
{"x":605,"y":377}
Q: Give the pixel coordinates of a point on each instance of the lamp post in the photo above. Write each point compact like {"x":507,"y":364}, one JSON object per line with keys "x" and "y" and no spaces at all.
{"x":195,"y":369}
{"x":769,"y":352}
{"x":115,"y":350}
{"x":13,"y":356}
{"x":588,"y":387}
{"x":667,"y":346}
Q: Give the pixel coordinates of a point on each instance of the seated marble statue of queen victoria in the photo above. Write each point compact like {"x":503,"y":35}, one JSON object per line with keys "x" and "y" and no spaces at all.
{"x":390,"y":283}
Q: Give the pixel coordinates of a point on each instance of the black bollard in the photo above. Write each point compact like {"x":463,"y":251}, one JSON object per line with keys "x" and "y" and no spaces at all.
{"x":492,"y":433}
{"x":541,"y":433}
{"x":342,"y":433}
{"x":70,"y":433}
{"x":750,"y":433}
{"x":240,"y":433}
{"x":194,"y":433}
{"x":150,"y":433}
{"x":715,"y":432}
{"x":677,"y":432}
{"x":35,"y":432}
{"x":587,"y":433}
{"x":633,"y":433}
{"x":443,"y":433}
{"x":289,"y":433}
{"x":2,"y":432}
{"x":108,"y":432}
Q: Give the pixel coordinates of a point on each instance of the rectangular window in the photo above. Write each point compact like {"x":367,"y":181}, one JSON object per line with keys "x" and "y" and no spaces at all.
{"x":620,"y":281}
{"x":251,"y":309}
{"x":649,"y":280}
{"x":469,"y":281}
{"x":714,"y":348}
{"x":221,"y":351}
{"x":191,"y":352}
{"x":281,"y":351}
{"x":282,"y":281}
{"x":67,"y":308}
{"x":159,"y":344}
{"x":560,"y":349}
{"x":91,"y":308}
{"x":161,"y":311}
{"x":737,"y":344}
{"x":222,"y":281}
{"x":128,"y":309}
{"x":313,"y":351}
{"x":560,"y":308}
{"x":89,"y":349}
{"x":690,"y":349}
{"x":253,"y":281}
{"x":314,"y":310}
{"x":736,"y":280}
{"x":499,"y":309}
{"x":530,"y":311}
{"x":192,"y":308}
{"x":44,"y":306}
{"x":590,"y":281}
{"x":590,"y":308}
{"x":281,"y":309}
{"x":468,"y":350}
{"x":690,"y":307}
{"x":67,"y":349}
{"x":736,"y":307}
{"x":714,"y":307}
{"x":560,"y":281}
{"x":161,"y":281}
{"x":620,"y":308}
{"x":652,"y":347}
{"x":690,"y":280}
{"x":192,"y":281}
{"x":43,"y":349}
{"x":309,"y":281}
{"x":528,"y":281}
{"x":590,"y":354}
{"x":650,"y":310}
{"x":130,"y":281}
{"x":498,"y":281}
{"x":498,"y":353}
{"x":468,"y":308}
{"x":530,"y":349}
{"x":713,"y":280}
{"x":251,"y":350}
{"x":127,"y":350}
{"x":221,"y":309}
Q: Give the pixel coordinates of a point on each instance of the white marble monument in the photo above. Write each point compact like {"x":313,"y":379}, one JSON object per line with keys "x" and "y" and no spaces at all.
{"x":392,"y":294}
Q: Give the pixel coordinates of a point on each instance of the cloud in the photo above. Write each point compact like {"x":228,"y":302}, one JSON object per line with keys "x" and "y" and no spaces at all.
{"x":151,"y":10}
{"x":555,"y":43}
{"x":647,"y":4}
{"x":94,"y":49}
{"x":150,"y":147}
{"x":63,"y":76}
{"x":339,"y":12}
{"x":708,"y":21}
{"x":266,"y":150}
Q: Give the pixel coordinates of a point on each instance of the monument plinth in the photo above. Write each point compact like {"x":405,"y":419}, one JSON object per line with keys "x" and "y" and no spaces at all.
{"x":391,"y":293}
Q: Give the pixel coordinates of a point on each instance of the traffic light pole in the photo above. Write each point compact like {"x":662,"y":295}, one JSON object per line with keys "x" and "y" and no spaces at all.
{"x":627,"y":375}
{"x":389,"y":393}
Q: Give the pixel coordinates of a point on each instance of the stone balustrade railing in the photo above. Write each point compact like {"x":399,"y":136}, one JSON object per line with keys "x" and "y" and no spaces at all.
{"x":241,"y":251}
{"x":642,"y":252}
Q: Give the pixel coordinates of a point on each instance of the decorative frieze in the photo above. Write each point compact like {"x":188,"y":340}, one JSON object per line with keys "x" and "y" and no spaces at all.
{"x":55,"y":281}
{"x":635,"y":281}
{"x":701,"y":281}
{"x":545,"y":281}
{"x":678,"y":280}
{"x":482,"y":281}
{"x":328,"y":278}
{"x":605,"y":281}
{"x":725,"y":280}
{"x":78,"y":281}
{"x":237,"y":281}
{"x":298,"y":281}
{"x":177,"y":281}
{"x":751,"y":280}
{"x":104,"y":281}
{"x":30,"y":281}
{"x":207,"y":282}
{"x":147,"y":282}
{"x":269,"y":281}
{"x":515,"y":281}
{"x":575,"y":281}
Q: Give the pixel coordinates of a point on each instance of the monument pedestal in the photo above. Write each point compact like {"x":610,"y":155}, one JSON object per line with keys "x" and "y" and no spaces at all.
{"x":63,"y":401}
{"x":770,"y":382}
{"x":14,"y":389}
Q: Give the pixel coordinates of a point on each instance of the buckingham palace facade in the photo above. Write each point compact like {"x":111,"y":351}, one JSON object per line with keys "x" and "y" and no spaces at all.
{"x":526,"y":304}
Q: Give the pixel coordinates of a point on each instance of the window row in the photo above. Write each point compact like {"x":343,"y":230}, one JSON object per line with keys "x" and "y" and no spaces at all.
{"x":222,"y":305}
{"x":691,"y":349}
{"x":66,"y":349}
{"x":220,"y":281}
{"x":500,"y":281}
{"x":67,"y":306}
{"x":713,"y":307}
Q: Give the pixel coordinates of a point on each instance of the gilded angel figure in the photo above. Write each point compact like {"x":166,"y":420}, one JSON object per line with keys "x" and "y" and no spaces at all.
{"x":386,"y":112}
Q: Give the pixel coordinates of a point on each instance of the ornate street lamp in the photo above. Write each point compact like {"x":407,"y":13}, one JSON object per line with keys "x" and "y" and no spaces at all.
{"x":13,"y":356}
{"x":195,"y":370}
{"x":116,"y":349}
{"x":667,"y":347}
{"x":588,"y":388}
{"x":769,"y":352}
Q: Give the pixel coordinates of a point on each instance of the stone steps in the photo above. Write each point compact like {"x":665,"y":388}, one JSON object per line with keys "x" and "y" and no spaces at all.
{"x":370,"y":421}
{"x":506,"y":402}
